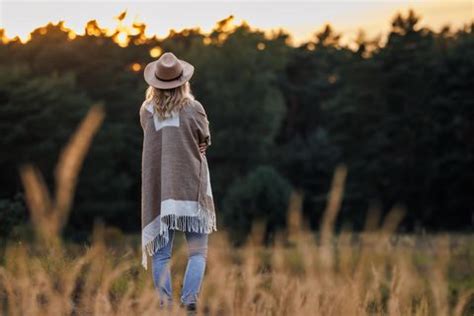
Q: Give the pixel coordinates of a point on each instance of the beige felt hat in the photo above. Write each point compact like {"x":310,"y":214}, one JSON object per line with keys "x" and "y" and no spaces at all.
{"x":168,"y":72}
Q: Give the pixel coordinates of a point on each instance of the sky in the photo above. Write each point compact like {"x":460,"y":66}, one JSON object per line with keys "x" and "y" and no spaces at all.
{"x":300,"y":18}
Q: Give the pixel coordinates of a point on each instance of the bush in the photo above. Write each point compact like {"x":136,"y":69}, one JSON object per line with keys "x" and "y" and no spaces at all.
{"x":262,"y":195}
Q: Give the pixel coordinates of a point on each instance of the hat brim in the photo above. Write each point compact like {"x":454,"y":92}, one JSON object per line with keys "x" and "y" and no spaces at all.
{"x":150,"y":78}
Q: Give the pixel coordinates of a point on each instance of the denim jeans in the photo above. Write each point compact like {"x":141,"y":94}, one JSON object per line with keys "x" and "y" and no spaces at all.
{"x":197,"y":255}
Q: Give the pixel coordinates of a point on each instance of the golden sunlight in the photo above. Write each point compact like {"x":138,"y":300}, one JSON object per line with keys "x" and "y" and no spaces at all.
{"x":156,"y":51}
{"x":121,"y":39}
{"x":311,"y":46}
{"x":136,"y":25}
{"x":23,"y":40}
{"x":136,"y":67}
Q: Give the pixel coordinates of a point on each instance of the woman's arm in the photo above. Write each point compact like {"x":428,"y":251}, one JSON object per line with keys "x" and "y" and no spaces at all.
{"x":203,"y":126}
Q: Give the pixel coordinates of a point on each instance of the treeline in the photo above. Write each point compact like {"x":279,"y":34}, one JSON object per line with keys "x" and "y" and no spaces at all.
{"x":399,"y":115}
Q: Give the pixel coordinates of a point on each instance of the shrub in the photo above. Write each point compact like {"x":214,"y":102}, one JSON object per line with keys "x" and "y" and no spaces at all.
{"x":262,"y":195}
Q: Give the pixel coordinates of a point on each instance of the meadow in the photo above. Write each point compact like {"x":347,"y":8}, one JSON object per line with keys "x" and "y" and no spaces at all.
{"x":375,"y":272}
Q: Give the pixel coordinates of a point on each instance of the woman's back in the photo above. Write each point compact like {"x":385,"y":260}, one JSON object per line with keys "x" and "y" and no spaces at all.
{"x":176,"y":189}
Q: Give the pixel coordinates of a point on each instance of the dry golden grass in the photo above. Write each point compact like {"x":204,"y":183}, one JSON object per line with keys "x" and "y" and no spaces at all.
{"x":373,"y":273}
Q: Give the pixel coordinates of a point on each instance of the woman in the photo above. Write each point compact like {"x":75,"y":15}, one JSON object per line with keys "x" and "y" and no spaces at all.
{"x":176,"y":188}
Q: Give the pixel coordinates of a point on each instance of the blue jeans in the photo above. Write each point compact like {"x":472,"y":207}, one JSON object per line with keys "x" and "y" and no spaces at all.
{"x":197,"y":255}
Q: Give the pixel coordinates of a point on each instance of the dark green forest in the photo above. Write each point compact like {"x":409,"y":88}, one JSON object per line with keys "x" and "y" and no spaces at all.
{"x":397,"y":111}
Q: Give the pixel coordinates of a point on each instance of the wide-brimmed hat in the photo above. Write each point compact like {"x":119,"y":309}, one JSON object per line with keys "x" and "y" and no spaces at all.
{"x":168,"y":72}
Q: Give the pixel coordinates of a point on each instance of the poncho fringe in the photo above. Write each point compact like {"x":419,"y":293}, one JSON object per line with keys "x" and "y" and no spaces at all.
{"x":205,"y":223}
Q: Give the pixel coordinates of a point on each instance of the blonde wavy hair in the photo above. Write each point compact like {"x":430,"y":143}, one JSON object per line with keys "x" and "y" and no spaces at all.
{"x":165,"y":101}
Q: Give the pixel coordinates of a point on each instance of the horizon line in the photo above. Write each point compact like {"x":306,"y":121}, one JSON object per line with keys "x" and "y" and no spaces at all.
{"x":267,"y":32}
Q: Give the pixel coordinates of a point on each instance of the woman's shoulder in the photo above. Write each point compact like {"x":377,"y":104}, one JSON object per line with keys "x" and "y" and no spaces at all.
{"x":146,"y":106}
{"x":197,"y":106}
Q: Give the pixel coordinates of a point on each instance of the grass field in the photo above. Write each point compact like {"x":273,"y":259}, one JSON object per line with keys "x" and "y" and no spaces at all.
{"x":360,"y":274}
{"x":377,"y":272}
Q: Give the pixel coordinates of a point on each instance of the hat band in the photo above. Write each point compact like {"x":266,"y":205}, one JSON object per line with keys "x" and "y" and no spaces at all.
{"x":172,"y":79}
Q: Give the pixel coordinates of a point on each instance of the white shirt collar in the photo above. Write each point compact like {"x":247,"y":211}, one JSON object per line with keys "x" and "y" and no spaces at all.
{"x":170,"y":121}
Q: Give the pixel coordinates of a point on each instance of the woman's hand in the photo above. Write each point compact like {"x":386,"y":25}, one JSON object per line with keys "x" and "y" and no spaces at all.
{"x":202,"y":148}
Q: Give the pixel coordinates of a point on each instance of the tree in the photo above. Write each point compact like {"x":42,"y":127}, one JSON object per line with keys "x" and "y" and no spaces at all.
{"x":37,"y":115}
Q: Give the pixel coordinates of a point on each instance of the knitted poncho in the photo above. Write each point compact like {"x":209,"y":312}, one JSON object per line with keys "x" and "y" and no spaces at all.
{"x":176,"y":187}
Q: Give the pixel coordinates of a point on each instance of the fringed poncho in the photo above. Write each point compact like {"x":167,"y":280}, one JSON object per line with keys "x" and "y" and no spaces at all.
{"x":176,"y":186}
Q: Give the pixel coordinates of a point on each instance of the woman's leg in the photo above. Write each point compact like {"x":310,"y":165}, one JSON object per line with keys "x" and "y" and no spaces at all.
{"x":161,"y":271}
{"x":197,"y":255}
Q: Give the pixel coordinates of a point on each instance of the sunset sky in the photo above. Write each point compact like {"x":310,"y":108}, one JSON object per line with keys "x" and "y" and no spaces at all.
{"x":300,"y":19}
